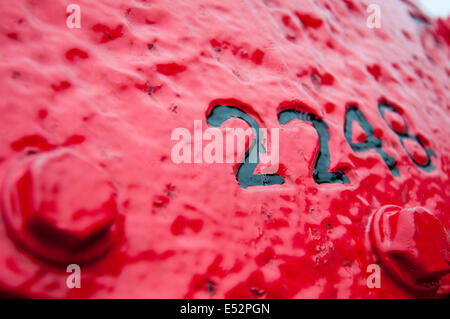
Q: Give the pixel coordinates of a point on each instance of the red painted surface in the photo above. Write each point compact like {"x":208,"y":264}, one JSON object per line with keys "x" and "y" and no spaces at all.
{"x":110,"y":95}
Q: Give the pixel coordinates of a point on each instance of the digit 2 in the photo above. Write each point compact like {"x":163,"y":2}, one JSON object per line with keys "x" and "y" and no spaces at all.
{"x":245,"y":177}
{"x":321,"y":170}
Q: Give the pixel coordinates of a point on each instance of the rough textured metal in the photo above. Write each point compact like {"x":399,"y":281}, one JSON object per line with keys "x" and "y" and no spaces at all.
{"x":113,"y":91}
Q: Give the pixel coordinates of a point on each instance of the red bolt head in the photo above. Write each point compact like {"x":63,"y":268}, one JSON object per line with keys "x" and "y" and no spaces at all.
{"x":412,"y":245}
{"x":60,"y":207}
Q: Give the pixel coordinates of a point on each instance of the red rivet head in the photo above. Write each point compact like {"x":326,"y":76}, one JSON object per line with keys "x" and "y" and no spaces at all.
{"x":60,"y":207}
{"x":412,"y":245}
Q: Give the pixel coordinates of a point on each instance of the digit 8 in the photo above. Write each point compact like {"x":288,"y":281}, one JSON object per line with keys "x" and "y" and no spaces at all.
{"x":404,"y":134}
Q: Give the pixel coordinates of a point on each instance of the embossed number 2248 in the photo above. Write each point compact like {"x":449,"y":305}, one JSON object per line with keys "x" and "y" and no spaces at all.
{"x":246,"y":177}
